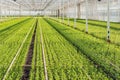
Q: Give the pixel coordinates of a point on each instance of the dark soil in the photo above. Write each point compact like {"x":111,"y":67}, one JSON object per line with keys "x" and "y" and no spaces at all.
{"x":27,"y":66}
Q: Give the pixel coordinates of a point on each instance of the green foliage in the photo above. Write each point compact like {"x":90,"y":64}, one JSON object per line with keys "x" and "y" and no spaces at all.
{"x":102,"y":53}
{"x":10,"y":43}
{"x":64,"y":62}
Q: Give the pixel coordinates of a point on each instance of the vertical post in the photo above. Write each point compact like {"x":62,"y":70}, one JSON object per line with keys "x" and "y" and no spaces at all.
{"x":96,"y":13}
{"x":58,"y":13}
{"x":0,"y":9}
{"x":56,"y":10}
{"x":19,"y":10}
{"x":9,"y":10}
{"x":55,"y":13}
{"x":52,"y":13}
{"x":119,"y":14}
{"x":78,"y":8}
{"x":12,"y":11}
{"x":6,"y":13}
{"x":108,"y":20}
{"x":59,"y":10}
{"x":86,"y":16}
{"x":63,"y":9}
{"x":48,"y":13}
{"x":29,"y":13}
{"x":75,"y":6}
{"x":68,"y":12}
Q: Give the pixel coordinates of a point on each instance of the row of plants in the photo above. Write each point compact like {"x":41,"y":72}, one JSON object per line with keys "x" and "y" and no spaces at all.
{"x":37,"y":70}
{"x":63,"y":60}
{"x":7,"y":31}
{"x":104,"y":55}
{"x":16,"y":42}
{"x":12,"y":22}
{"x":114,"y":25}
{"x":97,"y":29}
{"x":3,"y":19}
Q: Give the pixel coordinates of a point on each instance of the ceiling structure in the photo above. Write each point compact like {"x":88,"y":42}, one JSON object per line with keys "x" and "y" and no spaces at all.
{"x":40,"y":5}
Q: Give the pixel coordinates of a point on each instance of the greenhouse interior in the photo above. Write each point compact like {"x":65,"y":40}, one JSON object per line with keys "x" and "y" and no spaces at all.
{"x":59,"y":39}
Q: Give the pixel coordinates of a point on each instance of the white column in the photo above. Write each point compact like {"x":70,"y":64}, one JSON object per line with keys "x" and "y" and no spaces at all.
{"x":119,"y":15}
{"x":55,"y":13}
{"x":59,"y":9}
{"x":108,"y":20}
{"x":0,"y":9}
{"x":68,"y":12}
{"x":119,"y":10}
{"x":63,"y":10}
{"x":58,"y":13}
{"x":75,"y":16}
{"x":86,"y":16}
{"x":19,"y":10}
{"x":78,"y":8}
{"x":9,"y":12}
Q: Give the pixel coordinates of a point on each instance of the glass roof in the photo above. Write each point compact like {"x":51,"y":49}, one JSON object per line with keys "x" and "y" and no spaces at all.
{"x":40,"y":4}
